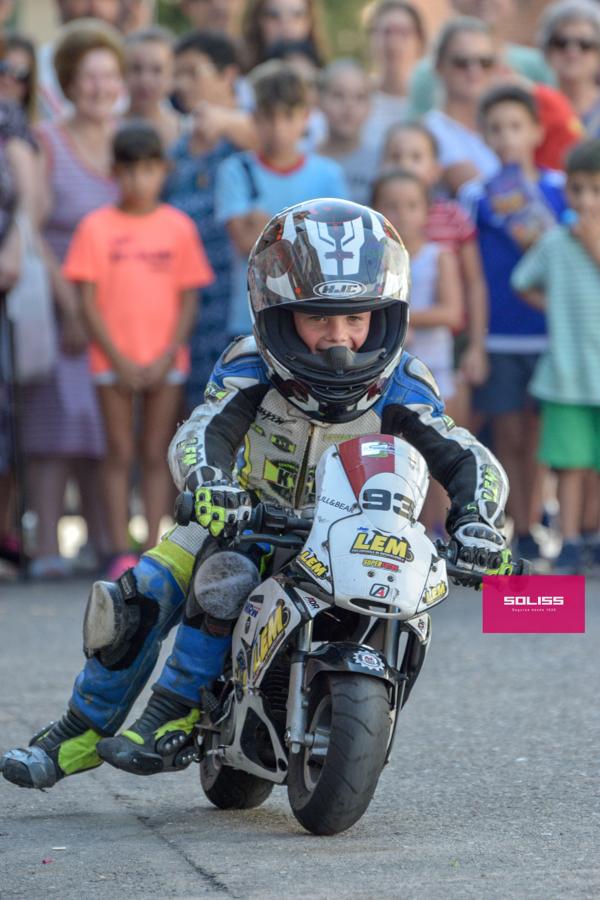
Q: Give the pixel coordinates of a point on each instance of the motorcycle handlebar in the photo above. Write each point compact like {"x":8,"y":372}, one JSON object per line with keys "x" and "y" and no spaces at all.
{"x":471,"y":578}
{"x":183,"y":511}
{"x":474,"y":579}
{"x":267,"y":520}
{"x":264,"y":517}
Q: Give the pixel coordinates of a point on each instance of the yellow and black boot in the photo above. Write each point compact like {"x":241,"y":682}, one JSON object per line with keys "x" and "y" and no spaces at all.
{"x":161,"y":740}
{"x":62,"y":748}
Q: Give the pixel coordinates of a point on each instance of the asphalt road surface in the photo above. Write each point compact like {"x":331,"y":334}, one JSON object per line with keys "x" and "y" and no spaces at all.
{"x":492,"y":790}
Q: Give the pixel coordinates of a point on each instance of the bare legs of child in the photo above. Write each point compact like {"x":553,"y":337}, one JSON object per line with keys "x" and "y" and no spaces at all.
{"x":578,"y":498}
{"x":88,"y":473}
{"x":116,"y":405}
{"x":571,"y":498}
{"x":159,"y":408}
{"x":591,"y":504}
{"x":47,"y":481}
{"x":571,"y":484}
{"x":515,"y":444}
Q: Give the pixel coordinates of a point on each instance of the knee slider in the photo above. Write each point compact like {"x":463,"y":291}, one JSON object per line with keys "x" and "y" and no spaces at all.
{"x":116,"y":617}
{"x":221,"y":584}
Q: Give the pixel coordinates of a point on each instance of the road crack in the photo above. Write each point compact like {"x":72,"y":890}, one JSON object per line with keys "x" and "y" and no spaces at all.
{"x":209,"y":877}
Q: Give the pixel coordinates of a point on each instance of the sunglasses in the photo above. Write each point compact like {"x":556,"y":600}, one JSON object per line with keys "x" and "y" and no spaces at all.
{"x":297,"y":12}
{"x":470,"y":62}
{"x":394,"y":31}
{"x":15,"y":72}
{"x":563,"y":43}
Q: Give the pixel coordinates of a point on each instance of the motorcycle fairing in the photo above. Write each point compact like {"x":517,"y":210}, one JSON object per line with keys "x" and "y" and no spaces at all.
{"x":240,"y":748}
{"x":270,"y":615}
{"x":366,"y":547}
{"x":421,"y":626}
{"x":268,"y":619}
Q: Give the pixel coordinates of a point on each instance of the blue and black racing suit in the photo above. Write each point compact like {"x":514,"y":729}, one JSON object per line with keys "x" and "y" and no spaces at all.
{"x":247,"y":428}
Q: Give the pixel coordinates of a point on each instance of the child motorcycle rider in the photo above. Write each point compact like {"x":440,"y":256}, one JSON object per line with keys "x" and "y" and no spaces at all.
{"x":328,"y":289}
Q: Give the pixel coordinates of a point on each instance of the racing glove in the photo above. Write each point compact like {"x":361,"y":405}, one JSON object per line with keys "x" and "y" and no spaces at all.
{"x":479,"y":548}
{"x":219,"y":506}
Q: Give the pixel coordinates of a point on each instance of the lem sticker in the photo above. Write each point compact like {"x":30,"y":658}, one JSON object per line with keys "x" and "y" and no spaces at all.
{"x":376,"y":544}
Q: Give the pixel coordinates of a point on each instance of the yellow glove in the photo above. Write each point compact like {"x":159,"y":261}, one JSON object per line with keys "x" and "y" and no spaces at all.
{"x":505,"y":565}
{"x":222,"y":508}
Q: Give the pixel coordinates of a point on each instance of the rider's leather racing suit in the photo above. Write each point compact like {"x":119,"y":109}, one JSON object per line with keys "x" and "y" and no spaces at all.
{"x":247,"y":426}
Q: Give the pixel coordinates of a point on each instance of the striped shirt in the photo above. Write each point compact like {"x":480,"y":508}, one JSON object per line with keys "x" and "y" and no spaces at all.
{"x":560,"y":266}
{"x":61,"y":416}
{"x":449,"y":224}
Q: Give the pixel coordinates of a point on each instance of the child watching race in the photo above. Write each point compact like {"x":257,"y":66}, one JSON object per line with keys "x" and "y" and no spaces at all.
{"x":138,"y":266}
{"x":414,"y":148}
{"x":436,"y":297}
{"x":252,"y":187}
{"x":565,"y":264}
{"x":511,"y":211}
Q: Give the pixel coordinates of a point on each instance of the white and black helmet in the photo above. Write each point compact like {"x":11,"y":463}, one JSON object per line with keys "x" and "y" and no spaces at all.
{"x":329,"y":257}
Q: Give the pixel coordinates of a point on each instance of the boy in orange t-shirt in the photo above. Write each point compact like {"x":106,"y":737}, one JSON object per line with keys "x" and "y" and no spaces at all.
{"x":138,"y":266}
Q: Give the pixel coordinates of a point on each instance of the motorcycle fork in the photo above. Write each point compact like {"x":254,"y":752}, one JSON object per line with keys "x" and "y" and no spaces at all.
{"x":295,"y":725}
{"x":391,"y":647}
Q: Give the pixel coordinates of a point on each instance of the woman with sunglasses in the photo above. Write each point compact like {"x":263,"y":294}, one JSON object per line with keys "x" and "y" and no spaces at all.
{"x":465,"y":61}
{"x":500,"y":15}
{"x":18,"y":73}
{"x":569,"y":35}
{"x":62,"y":428}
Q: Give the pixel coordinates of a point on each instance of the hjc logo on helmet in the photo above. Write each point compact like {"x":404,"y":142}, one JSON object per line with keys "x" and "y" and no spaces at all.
{"x":339,"y":289}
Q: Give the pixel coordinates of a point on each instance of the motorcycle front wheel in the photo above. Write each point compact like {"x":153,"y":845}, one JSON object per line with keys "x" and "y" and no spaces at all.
{"x":331,"y":783}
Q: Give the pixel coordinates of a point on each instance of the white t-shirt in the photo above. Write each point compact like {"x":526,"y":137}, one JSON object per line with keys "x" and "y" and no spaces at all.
{"x":386,"y":110}
{"x":360,"y":168}
{"x":433,"y":345}
{"x":458,"y":144}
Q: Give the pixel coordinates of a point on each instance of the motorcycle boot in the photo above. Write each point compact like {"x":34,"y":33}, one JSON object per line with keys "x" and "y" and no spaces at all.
{"x":62,"y":748}
{"x":161,"y":740}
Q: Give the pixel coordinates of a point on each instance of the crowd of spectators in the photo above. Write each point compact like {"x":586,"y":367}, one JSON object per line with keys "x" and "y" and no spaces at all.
{"x":138,"y":167}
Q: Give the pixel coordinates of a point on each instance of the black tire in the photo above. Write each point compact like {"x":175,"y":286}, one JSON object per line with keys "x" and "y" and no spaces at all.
{"x":330,"y":794}
{"x":229,"y":788}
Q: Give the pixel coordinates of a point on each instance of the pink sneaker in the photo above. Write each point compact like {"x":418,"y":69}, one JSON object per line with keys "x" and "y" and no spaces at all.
{"x":119,"y":564}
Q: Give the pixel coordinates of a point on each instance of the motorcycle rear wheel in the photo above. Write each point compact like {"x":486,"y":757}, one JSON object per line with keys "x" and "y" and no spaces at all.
{"x":228,"y":788}
{"x":331,"y":784}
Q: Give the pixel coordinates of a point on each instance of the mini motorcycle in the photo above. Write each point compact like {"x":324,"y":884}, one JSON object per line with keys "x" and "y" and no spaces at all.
{"x":327,"y":649}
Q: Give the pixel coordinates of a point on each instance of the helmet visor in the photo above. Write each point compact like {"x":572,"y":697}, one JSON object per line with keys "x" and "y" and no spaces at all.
{"x":333,"y":266}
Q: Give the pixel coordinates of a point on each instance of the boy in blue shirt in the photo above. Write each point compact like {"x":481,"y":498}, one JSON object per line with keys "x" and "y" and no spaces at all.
{"x":511,"y":211}
{"x":252,"y":187}
{"x":206,"y":69}
{"x":561,"y":276}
